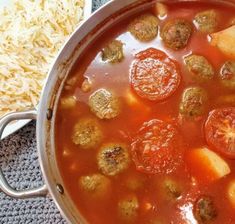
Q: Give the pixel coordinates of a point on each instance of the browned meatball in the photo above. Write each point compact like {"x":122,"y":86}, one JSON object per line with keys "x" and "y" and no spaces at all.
{"x":113,"y":52}
{"x":227,"y":75}
{"x":193,"y":102}
{"x":113,"y":158}
{"x":96,"y":185}
{"x":200,"y":67}
{"x":128,"y":208}
{"x":206,"y":21}
{"x":204,"y":210}
{"x":104,"y":104}
{"x":87,"y":133}
{"x":176,"y":33}
{"x":144,"y":27}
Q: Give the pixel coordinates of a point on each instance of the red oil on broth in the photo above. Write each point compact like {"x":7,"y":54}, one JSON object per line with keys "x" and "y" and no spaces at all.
{"x":126,"y":158}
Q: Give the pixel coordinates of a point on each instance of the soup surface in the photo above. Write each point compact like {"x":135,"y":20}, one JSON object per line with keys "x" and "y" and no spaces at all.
{"x":145,"y":127}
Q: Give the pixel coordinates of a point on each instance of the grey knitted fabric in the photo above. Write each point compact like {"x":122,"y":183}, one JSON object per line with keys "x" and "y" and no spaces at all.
{"x":18,"y":159}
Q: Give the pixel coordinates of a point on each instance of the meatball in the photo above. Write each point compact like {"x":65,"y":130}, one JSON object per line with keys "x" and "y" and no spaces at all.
{"x":128,"y":208}
{"x":144,"y":27}
{"x":206,"y":21}
{"x":104,"y":104}
{"x":176,"y":33}
{"x":204,"y":209}
{"x":172,"y":189}
{"x":200,"y":67}
{"x":96,"y":185}
{"x":113,"y":52}
{"x":113,"y":158}
{"x":87,"y":133}
{"x":193,"y":102}
{"x":227,"y":75}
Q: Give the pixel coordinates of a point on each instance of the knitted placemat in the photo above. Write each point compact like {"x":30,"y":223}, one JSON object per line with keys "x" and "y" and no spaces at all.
{"x":19,"y":162}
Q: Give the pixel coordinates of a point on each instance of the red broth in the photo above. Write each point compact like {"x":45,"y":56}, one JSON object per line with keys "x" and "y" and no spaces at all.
{"x":154,"y":206}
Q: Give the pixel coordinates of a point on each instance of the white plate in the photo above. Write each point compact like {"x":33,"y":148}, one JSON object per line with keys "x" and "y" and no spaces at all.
{"x":14,"y":126}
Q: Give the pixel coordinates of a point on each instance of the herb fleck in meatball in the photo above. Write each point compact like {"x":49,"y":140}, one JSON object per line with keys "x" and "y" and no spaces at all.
{"x":200,"y":67}
{"x":104,"y":104}
{"x":206,"y":21}
{"x":193,"y":102}
{"x":144,"y":27}
{"x":113,"y":158}
{"x":227,"y":75}
{"x":128,"y":208}
{"x":87,"y":133}
{"x":176,"y":33}
{"x":205,"y":210}
{"x":95,"y":185}
{"x":113,"y":52}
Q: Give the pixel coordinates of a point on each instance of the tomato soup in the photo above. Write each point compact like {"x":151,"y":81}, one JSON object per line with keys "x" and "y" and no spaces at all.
{"x":145,"y":127}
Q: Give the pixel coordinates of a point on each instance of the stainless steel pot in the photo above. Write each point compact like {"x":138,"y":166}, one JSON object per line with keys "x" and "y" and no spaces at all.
{"x":106,"y":16}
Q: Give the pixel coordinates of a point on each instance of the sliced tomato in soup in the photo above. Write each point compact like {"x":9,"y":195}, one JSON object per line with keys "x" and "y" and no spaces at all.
{"x":157,"y":148}
{"x":220,"y":131}
{"x":154,"y":76}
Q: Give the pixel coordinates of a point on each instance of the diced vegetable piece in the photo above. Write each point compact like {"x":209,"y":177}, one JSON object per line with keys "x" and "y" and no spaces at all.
{"x":86,"y":85}
{"x":224,"y":40}
{"x":113,"y":52}
{"x":205,"y":165}
{"x":154,"y":75}
{"x":227,"y":75}
{"x":220,"y":131}
{"x":160,"y":9}
{"x":204,"y":210}
{"x":87,"y":133}
{"x":157,"y":147}
{"x":113,"y":158}
{"x":200,"y":68}
{"x":128,"y":208}
{"x":95,"y":185}
{"x":231,"y":193}
{"x":193,"y":102}
{"x":206,"y":21}
{"x":68,"y":102}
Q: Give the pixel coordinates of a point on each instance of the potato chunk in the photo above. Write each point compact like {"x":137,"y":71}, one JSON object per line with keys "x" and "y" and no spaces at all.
{"x":68,"y":102}
{"x":128,"y":208}
{"x":205,"y":165}
{"x":231,"y":193}
{"x":95,"y":185}
{"x":224,"y":40}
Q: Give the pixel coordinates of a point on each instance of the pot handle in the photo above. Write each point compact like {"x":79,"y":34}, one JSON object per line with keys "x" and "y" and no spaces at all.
{"x":4,"y":185}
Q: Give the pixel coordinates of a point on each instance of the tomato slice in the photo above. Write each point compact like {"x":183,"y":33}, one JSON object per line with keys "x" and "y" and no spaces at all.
{"x":154,"y":76}
{"x":220,"y":131}
{"x":156,"y":148}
